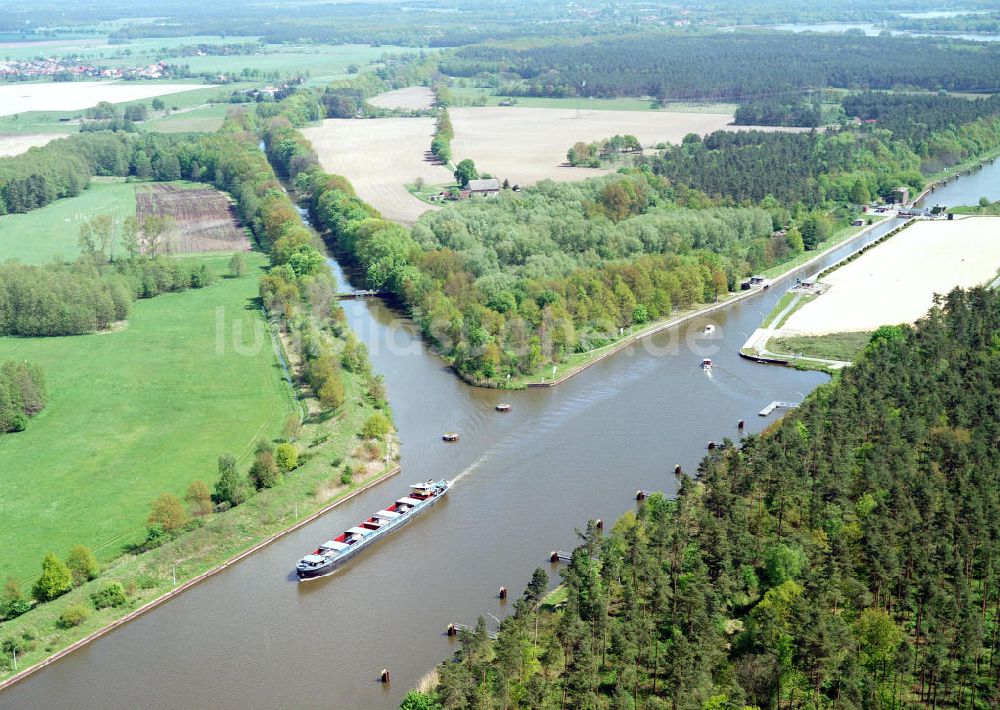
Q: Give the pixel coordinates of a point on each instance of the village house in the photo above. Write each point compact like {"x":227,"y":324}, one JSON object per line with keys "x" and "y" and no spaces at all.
{"x":489,"y":187}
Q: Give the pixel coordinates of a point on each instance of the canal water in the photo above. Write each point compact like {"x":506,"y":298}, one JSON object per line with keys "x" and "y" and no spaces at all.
{"x":252,"y":637}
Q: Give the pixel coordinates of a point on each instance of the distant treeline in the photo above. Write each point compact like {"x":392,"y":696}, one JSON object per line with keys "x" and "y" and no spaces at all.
{"x":22,"y":394}
{"x":914,"y":116}
{"x":846,"y":557}
{"x":811,"y":168}
{"x":729,"y":66}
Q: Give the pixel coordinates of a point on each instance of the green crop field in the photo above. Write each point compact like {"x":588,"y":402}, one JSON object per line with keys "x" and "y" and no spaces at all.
{"x":135,"y":413}
{"x":39,"y":236}
{"x":472,"y":96}
{"x":206,"y":119}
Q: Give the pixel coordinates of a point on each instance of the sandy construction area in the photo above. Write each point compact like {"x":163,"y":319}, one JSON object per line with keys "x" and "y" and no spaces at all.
{"x":896,"y":281}
{"x":15,"y":144}
{"x":413,"y":97}
{"x":77,"y":95}
{"x":379,"y":157}
{"x":526,"y":145}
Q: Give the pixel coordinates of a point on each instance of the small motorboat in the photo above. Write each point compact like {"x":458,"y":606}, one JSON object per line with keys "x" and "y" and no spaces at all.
{"x":706,"y":364}
{"x":503,"y":407}
{"x":709,"y":329}
{"x":450,"y":436}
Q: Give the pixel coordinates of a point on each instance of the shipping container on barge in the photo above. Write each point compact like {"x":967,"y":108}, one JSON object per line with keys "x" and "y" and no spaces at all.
{"x":328,"y":556}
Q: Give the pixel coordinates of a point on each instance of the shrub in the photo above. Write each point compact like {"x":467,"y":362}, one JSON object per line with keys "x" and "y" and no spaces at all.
{"x":73,"y":616}
{"x":292,"y":427}
{"x":168,"y":514}
{"x":346,"y":477}
{"x":230,"y":489}
{"x":82,"y":564}
{"x":286,"y":456}
{"x":237,"y":266}
{"x":264,"y":472}
{"x":376,"y":427}
{"x":56,"y":579}
{"x":111,"y":594}
{"x":199,"y":499}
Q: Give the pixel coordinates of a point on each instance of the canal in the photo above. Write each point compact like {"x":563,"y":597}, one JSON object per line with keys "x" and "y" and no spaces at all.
{"x":251,"y":637}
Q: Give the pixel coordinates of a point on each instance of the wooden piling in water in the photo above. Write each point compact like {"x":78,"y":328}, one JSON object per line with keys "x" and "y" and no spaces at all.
{"x":503,"y":593}
{"x":384,"y":677}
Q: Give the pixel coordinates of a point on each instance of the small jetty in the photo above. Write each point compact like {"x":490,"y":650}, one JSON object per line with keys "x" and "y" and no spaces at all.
{"x":503,"y":407}
{"x":560,"y":556}
{"x":776,"y":405}
{"x":450,"y":436}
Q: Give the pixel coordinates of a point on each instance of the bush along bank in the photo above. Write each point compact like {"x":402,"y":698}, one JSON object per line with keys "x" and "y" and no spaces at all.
{"x":344,"y":442}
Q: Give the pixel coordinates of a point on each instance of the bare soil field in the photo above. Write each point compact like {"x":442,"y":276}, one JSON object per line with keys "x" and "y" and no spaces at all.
{"x":895,"y":282}
{"x":413,"y":97}
{"x":77,"y":95}
{"x":379,"y":157}
{"x":14,"y":144}
{"x":203,"y":219}
{"x":525,"y":145}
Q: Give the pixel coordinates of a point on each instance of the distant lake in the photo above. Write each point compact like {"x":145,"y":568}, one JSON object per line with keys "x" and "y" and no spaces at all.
{"x":873,"y":30}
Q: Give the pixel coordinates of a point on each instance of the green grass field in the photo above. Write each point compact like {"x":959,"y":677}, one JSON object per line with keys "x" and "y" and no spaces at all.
{"x":474,"y":96}
{"x":134,"y":413}
{"x":836,"y":346}
{"x":39,"y":236}
{"x":206,"y":119}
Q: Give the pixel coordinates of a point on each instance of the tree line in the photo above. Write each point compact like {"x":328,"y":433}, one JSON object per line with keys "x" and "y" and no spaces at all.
{"x":734,"y":66}
{"x":845,"y":557}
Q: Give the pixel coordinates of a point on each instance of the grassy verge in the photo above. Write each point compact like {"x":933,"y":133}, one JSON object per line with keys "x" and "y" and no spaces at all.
{"x":803,"y":300}
{"x":135,"y":413}
{"x":836,"y":346}
{"x":778,"y":307}
{"x":554,"y":598}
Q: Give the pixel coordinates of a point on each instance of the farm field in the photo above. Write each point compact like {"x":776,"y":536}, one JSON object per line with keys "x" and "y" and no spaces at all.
{"x":321,"y":61}
{"x":135,"y":413}
{"x":201,"y":119}
{"x":141,"y":50}
{"x":203,"y":219}
{"x":379,"y":157}
{"x":412,"y":97}
{"x":52,"y":231}
{"x":202,"y":97}
{"x":15,"y":144}
{"x":75,"y":96}
{"x":525,"y":145}
{"x":471,"y":94}
{"x":895,"y":282}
